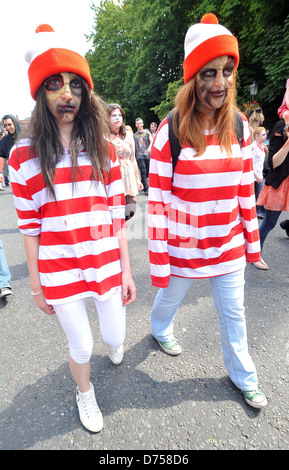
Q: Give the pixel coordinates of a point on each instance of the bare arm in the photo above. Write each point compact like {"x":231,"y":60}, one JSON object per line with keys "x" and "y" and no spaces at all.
{"x":31,"y":245}
{"x":128,"y":286}
{"x":280,"y":156}
{"x":2,"y":164}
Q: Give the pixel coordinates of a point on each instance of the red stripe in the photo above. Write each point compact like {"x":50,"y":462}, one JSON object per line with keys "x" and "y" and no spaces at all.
{"x":85,"y":262}
{"x":197,"y":263}
{"x":157,"y":233}
{"x":24,"y":215}
{"x":206,"y":194}
{"x":159,"y":258}
{"x":251,"y":237}
{"x":160,"y":281}
{"x":218,"y":218}
{"x":73,"y":206}
{"x":20,"y":190}
{"x":205,"y":243}
{"x":246,"y":190}
{"x":79,"y":235}
{"x":164,"y":182}
{"x":75,"y":288}
{"x":199,"y":167}
{"x":158,"y":208}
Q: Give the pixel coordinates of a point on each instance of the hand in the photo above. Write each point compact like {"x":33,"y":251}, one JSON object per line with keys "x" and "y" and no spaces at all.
{"x":41,"y":303}
{"x":259,"y":179}
{"x":128,"y":289}
{"x":140,"y":185}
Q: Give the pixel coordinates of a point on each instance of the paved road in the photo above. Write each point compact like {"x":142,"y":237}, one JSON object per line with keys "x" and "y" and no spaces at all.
{"x":151,"y":401}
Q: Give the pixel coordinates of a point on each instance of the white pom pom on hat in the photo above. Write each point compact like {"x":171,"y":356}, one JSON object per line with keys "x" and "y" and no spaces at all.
{"x":206,"y":41}
{"x":50,"y":54}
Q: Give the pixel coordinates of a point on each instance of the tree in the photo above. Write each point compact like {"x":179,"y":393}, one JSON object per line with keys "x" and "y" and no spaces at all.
{"x":138,"y":50}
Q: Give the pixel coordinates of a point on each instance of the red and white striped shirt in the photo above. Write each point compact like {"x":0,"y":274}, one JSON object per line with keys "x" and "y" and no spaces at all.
{"x":203,"y":223}
{"x":79,"y":250}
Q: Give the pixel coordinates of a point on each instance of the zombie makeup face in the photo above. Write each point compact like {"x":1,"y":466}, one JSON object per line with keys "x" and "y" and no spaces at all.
{"x":214,"y":81}
{"x":63,"y":95}
{"x":116,"y":119}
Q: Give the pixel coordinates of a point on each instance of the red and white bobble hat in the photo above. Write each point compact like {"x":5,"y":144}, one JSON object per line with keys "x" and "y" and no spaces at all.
{"x":50,"y":55}
{"x":206,"y":41}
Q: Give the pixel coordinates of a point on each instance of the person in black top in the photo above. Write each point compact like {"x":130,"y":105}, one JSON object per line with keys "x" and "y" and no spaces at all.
{"x":275,"y":193}
{"x":12,"y":126}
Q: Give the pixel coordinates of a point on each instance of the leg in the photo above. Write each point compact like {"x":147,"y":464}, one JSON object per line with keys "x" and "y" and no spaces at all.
{"x":112,"y":321}
{"x":285,"y":226}
{"x":260,"y":209}
{"x":142,"y":168}
{"x":228,"y":291}
{"x":130,"y":207}
{"x":165,"y":307}
{"x":147,"y":164}
{"x":6,"y":173}
{"x":269,"y":222}
{"x":74,"y":321}
{"x":5,"y":276}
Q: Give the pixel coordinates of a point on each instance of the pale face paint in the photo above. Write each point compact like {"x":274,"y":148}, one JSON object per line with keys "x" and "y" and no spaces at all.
{"x":214,"y":81}
{"x":116,"y":116}
{"x":116,"y":120}
{"x":260,"y":138}
{"x":63,"y":95}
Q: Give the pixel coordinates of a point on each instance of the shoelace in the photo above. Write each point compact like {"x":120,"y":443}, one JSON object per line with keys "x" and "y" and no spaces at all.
{"x":89,"y":404}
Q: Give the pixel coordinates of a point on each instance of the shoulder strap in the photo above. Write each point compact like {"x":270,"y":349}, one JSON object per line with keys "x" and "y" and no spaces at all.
{"x":174,"y":141}
{"x":239,"y":127}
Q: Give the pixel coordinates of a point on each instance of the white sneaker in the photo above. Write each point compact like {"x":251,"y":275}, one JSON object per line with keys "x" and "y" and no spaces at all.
{"x":116,"y":354}
{"x":89,"y":413}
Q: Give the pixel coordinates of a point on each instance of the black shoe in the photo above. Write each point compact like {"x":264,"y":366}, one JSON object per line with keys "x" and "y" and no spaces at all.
{"x":146,"y":192}
{"x":285,"y":226}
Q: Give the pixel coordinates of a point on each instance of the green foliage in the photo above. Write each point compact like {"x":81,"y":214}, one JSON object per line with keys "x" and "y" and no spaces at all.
{"x":137,"y":52}
{"x":168,"y":103}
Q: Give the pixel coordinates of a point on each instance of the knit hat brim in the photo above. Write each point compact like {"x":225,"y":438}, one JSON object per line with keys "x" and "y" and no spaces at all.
{"x":209,"y":50}
{"x":55,"y":61}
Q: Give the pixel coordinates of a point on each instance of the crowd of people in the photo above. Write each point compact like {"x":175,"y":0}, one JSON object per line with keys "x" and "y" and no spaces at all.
{"x":76,"y":172}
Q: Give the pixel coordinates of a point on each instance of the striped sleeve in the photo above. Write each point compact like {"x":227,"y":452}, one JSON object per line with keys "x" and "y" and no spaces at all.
{"x":159,"y":201}
{"x":115,"y":192}
{"x":29,"y":218}
{"x":247,"y":202}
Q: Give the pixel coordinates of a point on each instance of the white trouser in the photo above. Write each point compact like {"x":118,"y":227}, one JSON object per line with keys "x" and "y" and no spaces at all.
{"x":74,"y":321}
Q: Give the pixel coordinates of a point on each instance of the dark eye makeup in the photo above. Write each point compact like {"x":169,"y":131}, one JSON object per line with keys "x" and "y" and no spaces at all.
{"x":56,"y":82}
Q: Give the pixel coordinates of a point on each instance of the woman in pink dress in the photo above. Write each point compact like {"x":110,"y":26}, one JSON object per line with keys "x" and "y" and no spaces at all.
{"x":125,"y":148}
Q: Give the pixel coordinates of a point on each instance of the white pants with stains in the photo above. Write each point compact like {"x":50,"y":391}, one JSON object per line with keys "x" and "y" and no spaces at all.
{"x":75,"y":323}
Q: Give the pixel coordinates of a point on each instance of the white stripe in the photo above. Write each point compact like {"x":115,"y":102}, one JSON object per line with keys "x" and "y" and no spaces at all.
{"x":90,"y":247}
{"x":63,"y":278}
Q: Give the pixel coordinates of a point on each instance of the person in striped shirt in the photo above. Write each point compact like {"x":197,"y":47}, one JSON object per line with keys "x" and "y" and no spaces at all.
{"x":69,"y":197}
{"x":202,"y":215}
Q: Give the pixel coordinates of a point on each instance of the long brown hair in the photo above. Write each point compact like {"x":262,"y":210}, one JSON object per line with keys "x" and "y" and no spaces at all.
{"x":189,"y":124}
{"x":90,"y":132}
